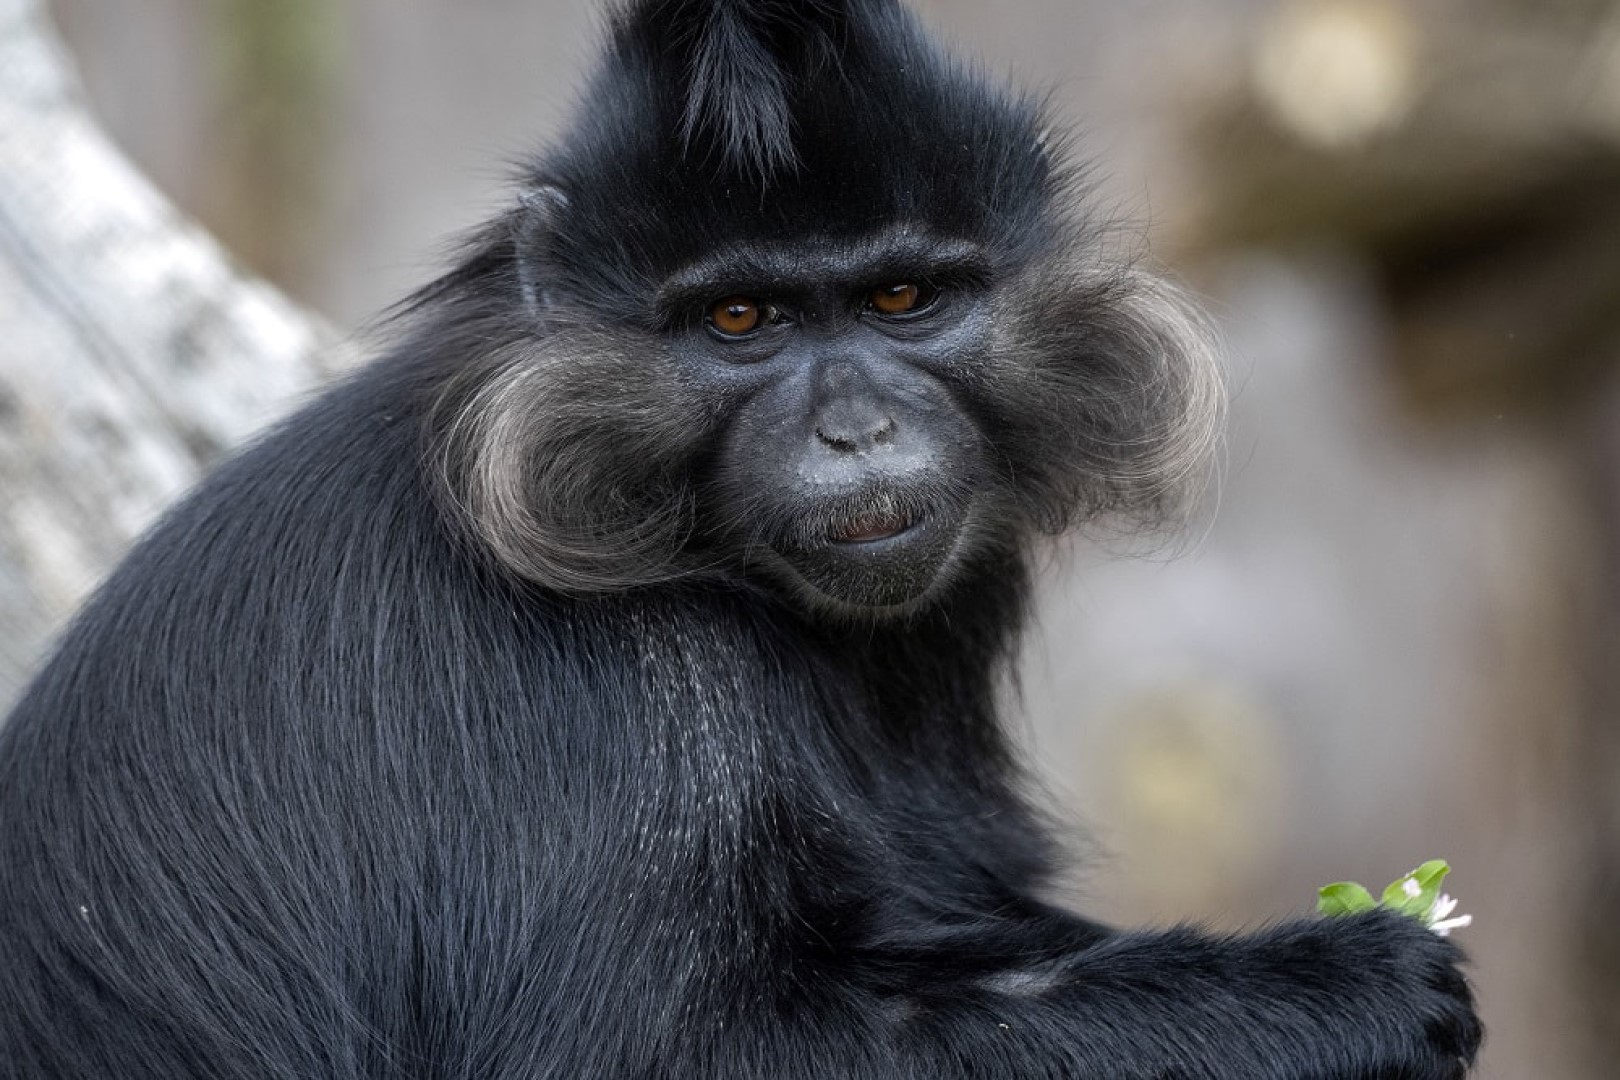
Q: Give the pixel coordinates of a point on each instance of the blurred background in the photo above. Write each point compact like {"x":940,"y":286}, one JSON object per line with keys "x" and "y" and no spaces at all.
{"x":1393,"y":635}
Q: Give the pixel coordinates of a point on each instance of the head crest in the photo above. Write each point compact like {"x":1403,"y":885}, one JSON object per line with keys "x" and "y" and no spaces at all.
{"x":740,"y":64}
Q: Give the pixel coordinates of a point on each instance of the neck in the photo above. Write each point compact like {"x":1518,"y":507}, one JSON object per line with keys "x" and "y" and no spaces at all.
{"x":929,"y":682}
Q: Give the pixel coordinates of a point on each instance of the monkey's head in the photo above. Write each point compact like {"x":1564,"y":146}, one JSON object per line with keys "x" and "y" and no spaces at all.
{"x":798,"y":299}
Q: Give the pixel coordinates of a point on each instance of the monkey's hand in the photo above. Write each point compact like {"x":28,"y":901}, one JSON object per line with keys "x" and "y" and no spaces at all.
{"x":1387,"y":995}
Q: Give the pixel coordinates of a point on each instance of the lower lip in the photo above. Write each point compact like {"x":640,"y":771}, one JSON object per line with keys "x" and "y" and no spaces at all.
{"x":865,"y":539}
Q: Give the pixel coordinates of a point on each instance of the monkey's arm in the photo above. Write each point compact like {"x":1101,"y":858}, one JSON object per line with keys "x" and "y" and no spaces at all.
{"x":1374,"y":997}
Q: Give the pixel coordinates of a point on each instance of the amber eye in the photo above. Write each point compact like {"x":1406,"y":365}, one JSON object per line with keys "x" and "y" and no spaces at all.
{"x":898,"y":299}
{"x":736,"y":315}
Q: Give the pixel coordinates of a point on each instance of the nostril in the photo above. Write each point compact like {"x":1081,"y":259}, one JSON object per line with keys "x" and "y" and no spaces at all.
{"x":836,"y":441}
{"x":853,"y":440}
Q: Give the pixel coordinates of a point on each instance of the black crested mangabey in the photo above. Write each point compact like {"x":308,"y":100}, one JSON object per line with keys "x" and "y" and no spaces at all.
{"x":601,"y":683}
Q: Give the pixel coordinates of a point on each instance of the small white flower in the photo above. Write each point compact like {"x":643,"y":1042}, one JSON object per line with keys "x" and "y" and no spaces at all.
{"x":1440,"y":924}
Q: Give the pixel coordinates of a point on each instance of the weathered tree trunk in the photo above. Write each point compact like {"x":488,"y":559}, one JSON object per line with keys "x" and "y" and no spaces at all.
{"x":133,"y":351}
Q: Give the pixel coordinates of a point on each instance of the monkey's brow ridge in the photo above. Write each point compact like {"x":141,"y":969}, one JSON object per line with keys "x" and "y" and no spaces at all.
{"x":905,"y":252}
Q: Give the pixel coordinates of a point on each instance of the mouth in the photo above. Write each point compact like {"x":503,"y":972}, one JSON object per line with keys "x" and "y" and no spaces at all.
{"x":873,"y":528}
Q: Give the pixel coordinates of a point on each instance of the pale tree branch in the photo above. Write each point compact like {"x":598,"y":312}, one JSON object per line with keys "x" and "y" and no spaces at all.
{"x":132,"y":351}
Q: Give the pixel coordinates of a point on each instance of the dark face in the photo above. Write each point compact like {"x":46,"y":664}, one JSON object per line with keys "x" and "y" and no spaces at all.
{"x":845,"y":467}
{"x":795,"y":298}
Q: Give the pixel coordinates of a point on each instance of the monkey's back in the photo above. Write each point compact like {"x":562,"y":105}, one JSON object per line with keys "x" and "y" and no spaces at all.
{"x":302,"y":793}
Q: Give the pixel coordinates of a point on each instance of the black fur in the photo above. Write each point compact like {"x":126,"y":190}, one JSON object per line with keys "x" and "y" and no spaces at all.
{"x":508,"y":714}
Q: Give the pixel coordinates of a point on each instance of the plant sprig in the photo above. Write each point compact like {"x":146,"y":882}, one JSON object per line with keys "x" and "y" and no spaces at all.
{"x":1416,"y":894}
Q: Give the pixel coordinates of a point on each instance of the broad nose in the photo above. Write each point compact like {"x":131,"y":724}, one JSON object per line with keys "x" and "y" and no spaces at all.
{"x":851,"y":415}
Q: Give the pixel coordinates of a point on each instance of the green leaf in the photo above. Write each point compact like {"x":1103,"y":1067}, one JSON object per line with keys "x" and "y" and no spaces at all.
{"x":1344,"y":898}
{"x":1427,"y":878}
